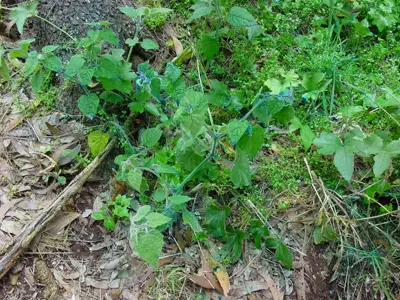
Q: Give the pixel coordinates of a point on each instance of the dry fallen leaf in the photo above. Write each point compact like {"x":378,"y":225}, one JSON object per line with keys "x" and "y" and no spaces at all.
{"x":177,"y":45}
{"x":223,"y":279}
{"x":248,"y":288}
{"x":61,"y":222}
{"x":276,"y":294}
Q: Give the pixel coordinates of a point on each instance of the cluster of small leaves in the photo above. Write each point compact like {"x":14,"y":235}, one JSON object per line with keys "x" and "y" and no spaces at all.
{"x":113,"y":211}
{"x":216,"y":219}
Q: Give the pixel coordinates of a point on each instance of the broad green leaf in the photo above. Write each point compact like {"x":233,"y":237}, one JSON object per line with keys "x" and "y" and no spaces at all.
{"x":141,"y":213}
{"x":253,"y":31}
{"x":134,"y":179}
{"x":129,"y":11}
{"x":241,"y":173}
{"x":373,"y":144}
{"x":382,"y":162}
{"x":53,"y":63}
{"x":259,"y":232}
{"x":236,"y":129}
{"x":88,"y":105}
{"x":285,"y":115}
{"x":382,"y":20}
{"x":192,"y":122}
{"x":349,"y":111}
{"x":208,"y":46}
{"x":120,"y":211}
{"x":188,"y":159}
{"x":49,"y":48}
{"x":239,"y":17}
{"x":149,"y":245}
{"x":132,"y":42}
{"x":328,"y":143}
{"x":109,"y":36}
{"x":85,"y":74}
{"x":98,"y":215}
{"x":136,"y":107}
{"x":98,"y":141}
{"x":37,"y":80}
{"x":296,"y":124}
{"x":22,"y":12}
{"x":201,"y":12}
{"x":179,"y":199}
{"x":307,"y":136}
{"x":393,"y":148}
{"x":275,"y":85}
{"x":31,"y":63}
{"x":251,"y":143}
{"x":194,"y":100}
{"x":74,"y":65}
{"x":311,"y":81}
{"x":111,"y":97}
{"x":4,"y":69}
{"x":283,"y":254}
{"x":147,"y":44}
{"x":150,"y":137}
{"x":344,"y":162}
{"x":215,"y":220}
{"x":109,"y":223}
{"x":232,"y":250}
{"x":107,"y":67}
{"x":154,"y":219}
{"x":317,"y":234}
{"x":190,"y":219}
{"x":24,"y":45}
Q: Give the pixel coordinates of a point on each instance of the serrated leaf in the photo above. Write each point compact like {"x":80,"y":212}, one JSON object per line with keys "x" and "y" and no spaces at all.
{"x":85,"y":74}
{"x":393,"y":148}
{"x":344,"y":162}
{"x":111,"y":97}
{"x":120,"y":211}
{"x":179,"y":199}
{"x":141,"y":213}
{"x":98,"y":141}
{"x":129,"y":11}
{"x":37,"y":81}
{"x":239,"y":17}
{"x":259,"y":231}
{"x":253,"y":31}
{"x":4,"y":69}
{"x":74,"y":65}
{"x":149,"y":245}
{"x":201,"y":12}
{"x":373,"y":144}
{"x":53,"y":63}
{"x":147,"y":44}
{"x":107,"y":67}
{"x":381,"y":163}
{"x":215,"y":220}
{"x":236,"y":130}
{"x":232,"y":250}
{"x":49,"y":48}
{"x":241,"y":173}
{"x":150,"y":137}
{"x":208,"y":46}
{"x":317,"y":235}
{"x":98,"y":215}
{"x":109,"y":223}
{"x":328,"y":143}
{"x":188,"y":159}
{"x":134,"y":179}
{"x":154,"y":219}
{"x":285,"y":115}
{"x":109,"y":36}
{"x":190,"y":219}
{"x":132,"y":42}
{"x":88,"y":105}
{"x":307,"y":136}
{"x":251,"y":143}
{"x":283,"y":254}
{"x":22,"y":12}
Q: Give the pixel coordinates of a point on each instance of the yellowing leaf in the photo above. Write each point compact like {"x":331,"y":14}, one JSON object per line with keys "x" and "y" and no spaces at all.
{"x":223,"y":279}
{"x":98,"y":141}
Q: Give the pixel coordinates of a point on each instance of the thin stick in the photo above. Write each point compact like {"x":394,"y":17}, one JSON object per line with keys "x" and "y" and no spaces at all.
{"x":21,"y":242}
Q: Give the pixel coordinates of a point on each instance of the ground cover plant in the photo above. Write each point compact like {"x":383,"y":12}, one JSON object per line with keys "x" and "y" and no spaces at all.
{"x":266,"y":95}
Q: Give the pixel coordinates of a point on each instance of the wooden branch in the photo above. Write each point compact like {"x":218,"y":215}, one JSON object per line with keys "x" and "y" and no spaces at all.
{"x":21,"y":242}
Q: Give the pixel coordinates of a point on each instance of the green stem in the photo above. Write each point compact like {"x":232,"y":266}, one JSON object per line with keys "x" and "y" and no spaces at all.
{"x":56,"y":27}
{"x":137,"y":29}
{"x":199,"y":166}
{"x":47,"y":21}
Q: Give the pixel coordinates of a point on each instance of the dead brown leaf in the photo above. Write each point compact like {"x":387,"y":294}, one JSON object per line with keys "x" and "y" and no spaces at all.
{"x":248,"y":288}
{"x":223,"y":279}
{"x":61,"y":222}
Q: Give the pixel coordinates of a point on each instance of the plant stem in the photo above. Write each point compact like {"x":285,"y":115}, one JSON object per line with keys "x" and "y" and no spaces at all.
{"x":199,"y":166}
{"x":56,"y":27}
{"x":137,"y":29}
